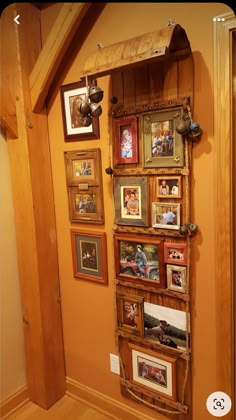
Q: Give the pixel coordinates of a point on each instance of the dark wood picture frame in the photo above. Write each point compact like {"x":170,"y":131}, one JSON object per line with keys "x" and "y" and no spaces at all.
{"x":126,"y":140}
{"x":168,"y":186}
{"x":86,"y":205}
{"x":135,"y":212}
{"x":126,"y":265}
{"x":71,"y":96}
{"x":89,"y":256}
{"x":130,"y":313}
{"x":83,"y":167}
{"x":163,"y":147}
{"x":153,"y":371}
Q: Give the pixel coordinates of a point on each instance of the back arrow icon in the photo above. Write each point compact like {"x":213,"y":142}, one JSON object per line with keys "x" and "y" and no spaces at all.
{"x":16,"y":19}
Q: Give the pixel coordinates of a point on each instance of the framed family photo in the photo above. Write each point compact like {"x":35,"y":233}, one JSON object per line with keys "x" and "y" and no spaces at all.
{"x":153,"y":371}
{"x":168,"y":186}
{"x":83,"y":167}
{"x":162,"y":145}
{"x":131,"y":201}
{"x":73,"y":125}
{"x":166,"y":215}
{"x":130,"y":313}
{"x":175,"y":253}
{"x":89,"y":256}
{"x":126,"y":140}
{"x":86,"y":205}
{"x":166,"y":326}
{"x":176,"y":278}
{"x":139,"y":259}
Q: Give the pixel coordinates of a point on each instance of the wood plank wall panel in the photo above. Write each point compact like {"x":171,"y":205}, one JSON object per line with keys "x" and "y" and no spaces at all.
{"x":170,"y":84}
{"x":156,"y":80}
{"x":129,"y":88}
{"x":185,"y":81}
{"x":142,"y":86}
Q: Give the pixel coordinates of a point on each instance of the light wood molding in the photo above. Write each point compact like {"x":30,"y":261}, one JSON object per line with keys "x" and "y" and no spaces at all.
{"x":106,"y":405}
{"x":223,"y":161}
{"x":15,"y":401}
{"x":50,"y":57}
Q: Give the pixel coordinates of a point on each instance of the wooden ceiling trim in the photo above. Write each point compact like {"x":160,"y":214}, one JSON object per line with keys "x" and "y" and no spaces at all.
{"x":51,"y":55}
{"x":158,"y":45}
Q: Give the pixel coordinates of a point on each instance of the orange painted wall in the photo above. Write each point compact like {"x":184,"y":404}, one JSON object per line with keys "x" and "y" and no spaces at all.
{"x":88,"y":309}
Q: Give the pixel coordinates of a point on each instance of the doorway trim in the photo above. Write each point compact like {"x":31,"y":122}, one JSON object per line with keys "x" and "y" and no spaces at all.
{"x":223,"y":203}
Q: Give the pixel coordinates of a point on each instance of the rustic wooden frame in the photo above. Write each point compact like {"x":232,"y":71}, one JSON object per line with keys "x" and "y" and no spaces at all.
{"x":126,"y":270}
{"x":171,"y":181}
{"x":71,"y":94}
{"x":155,"y":363}
{"x":94,"y":270}
{"x":85,"y":204}
{"x":76,"y":160}
{"x":120,"y":145}
{"x":123,"y":185}
{"x":150,"y":123}
{"x":130,"y":325}
{"x":181,"y":253}
{"x":171,"y":270}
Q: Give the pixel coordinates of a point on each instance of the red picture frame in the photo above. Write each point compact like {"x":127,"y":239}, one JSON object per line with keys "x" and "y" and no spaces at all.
{"x":126,"y":140}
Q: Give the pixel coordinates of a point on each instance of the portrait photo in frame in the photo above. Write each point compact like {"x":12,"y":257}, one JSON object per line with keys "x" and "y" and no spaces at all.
{"x":71,"y":97}
{"x":89,"y":256}
{"x":175,"y":253}
{"x":130,"y":313}
{"x":153,"y":371}
{"x":139,"y":260}
{"x":162,"y":146}
{"x":167,"y":326}
{"x":126,"y":140}
{"x":176,"y":278}
{"x":166,"y":215}
{"x":86,"y":205}
{"x":168,"y":186}
{"x":131,"y":201}
{"x":83,"y":167}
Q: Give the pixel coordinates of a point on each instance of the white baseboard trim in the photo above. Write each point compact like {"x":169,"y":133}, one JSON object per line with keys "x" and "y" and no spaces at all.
{"x":104,"y":404}
{"x":15,"y":401}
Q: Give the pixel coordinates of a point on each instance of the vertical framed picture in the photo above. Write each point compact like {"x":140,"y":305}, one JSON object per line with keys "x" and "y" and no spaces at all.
{"x":73,"y":124}
{"x":176,"y":278}
{"x":131,"y":201}
{"x":89,"y":256}
{"x":130,"y":313}
{"x":166,"y":215}
{"x":162,"y":145}
{"x":153,"y":371}
{"x":126,"y":140}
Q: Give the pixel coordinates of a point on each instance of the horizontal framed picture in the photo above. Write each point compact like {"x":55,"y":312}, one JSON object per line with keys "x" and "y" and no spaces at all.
{"x":168,"y":186}
{"x":166,"y":326}
{"x":89,"y":256}
{"x":86,"y":205}
{"x":131,"y":201}
{"x":130,"y":313}
{"x":126,"y":140}
{"x":153,"y":371}
{"x":176,"y":278}
{"x":83,"y":167}
{"x":166,"y":215}
{"x":175,"y":253}
{"x":73,"y":123}
{"x":139,"y":259}
{"x":162,"y":145}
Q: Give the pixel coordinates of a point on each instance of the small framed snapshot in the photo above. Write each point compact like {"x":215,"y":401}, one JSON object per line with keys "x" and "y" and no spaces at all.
{"x":89,"y":256}
{"x":175,"y":253}
{"x":162,"y":145}
{"x":166,"y":326}
{"x":139,"y":259}
{"x":166,"y":215}
{"x":131,"y":201}
{"x":83,"y":167}
{"x":168,"y":186}
{"x":176,"y":278}
{"x":86,"y":205}
{"x":130,"y":313}
{"x":153,"y":371}
{"x":126,"y":140}
{"x":71,"y":97}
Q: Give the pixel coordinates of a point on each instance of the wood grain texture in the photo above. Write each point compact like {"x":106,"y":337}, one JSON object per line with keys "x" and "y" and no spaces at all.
{"x":224,"y":216}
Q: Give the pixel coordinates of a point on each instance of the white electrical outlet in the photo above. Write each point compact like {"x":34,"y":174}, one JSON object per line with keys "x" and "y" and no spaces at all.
{"x":115,"y":363}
